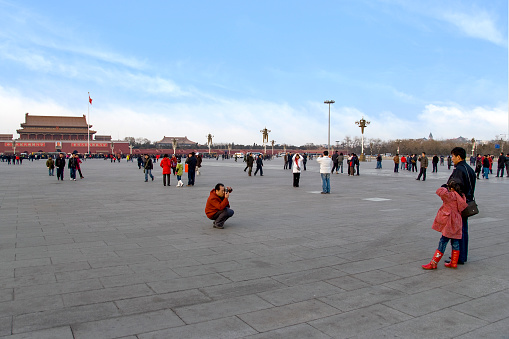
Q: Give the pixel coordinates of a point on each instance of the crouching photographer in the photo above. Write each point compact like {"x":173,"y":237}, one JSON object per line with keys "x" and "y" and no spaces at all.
{"x":218,"y":206}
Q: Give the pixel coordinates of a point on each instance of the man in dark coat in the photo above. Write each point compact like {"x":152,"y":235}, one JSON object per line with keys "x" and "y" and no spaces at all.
{"x":465,"y":176}
{"x":335,"y":162}
{"x":424,"y":165}
{"x":259,"y":165}
{"x":60,"y":164}
{"x":501,"y":165}
{"x":249,"y":163}
{"x":191,"y":162}
{"x":434,"y":161}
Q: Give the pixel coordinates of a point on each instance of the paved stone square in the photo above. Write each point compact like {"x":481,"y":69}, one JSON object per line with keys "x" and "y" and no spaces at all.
{"x":112,"y":256}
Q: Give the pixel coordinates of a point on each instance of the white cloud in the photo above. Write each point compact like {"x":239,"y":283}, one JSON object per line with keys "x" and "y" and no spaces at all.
{"x":478,"y":25}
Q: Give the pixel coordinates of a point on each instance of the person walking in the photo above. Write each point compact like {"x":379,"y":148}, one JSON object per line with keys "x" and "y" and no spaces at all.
{"x":72,"y":165}
{"x":259,"y":165}
{"x":485,"y":167}
{"x":297,"y":164}
{"x":396,"y":163}
{"x":423,"y":159}
{"x":249,"y":164}
{"x":78,"y":166}
{"x":325,"y":170}
{"x":166,"y":165}
{"x":60,"y":164}
{"x":50,"y":164}
{"x":448,"y":222}
{"x":341,"y":157}
{"x":335,"y":163}
{"x":199,"y":160}
{"x":148,"y":167}
{"x":379,"y":161}
{"x":478,"y":165}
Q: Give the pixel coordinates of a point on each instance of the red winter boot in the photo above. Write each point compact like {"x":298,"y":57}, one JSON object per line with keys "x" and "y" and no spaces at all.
{"x":454,"y":259}
{"x":436,"y":258}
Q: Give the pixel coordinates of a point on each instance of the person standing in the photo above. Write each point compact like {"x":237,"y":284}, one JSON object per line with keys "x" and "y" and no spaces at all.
{"x":173,"y":162}
{"x":72,"y":164}
{"x":478,"y":165}
{"x":249,"y":163}
{"x":297,"y":164}
{"x":325,"y":170}
{"x":403,"y":162}
{"x":434,"y":162}
{"x":60,"y":164}
{"x":199,"y":160}
{"x":140,"y":161}
{"x":379,"y":161}
{"x":501,"y":165}
{"x":485,"y":166}
{"x":507,"y":166}
{"x":396,"y":163}
{"x":285,"y":159}
{"x":191,"y":162}
{"x":259,"y":165}
{"x":355,"y":160}
{"x":465,"y":176}
{"x":166,"y":165}
{"x":290,"y":160}
{"x":180,"y":171}
{"x":78,"y":165}
{"x":414,"y":163}
{"x":423,"y":159}
{"x":449,"y":162}
{"x":50,"y":164}
{"x":304,"y":160}
{"x":148,"y":167}
{"x":341,"y":157}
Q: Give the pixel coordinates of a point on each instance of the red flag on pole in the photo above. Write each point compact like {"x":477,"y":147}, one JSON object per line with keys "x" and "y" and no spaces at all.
{"x":90,"y":100}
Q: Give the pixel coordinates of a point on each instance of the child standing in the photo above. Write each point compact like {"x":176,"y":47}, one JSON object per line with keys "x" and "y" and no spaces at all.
{"x":449,"y":222}
{"x":180,"y":170}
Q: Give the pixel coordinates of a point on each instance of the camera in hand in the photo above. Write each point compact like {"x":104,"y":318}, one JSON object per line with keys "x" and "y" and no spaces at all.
{"x":229,"y":189}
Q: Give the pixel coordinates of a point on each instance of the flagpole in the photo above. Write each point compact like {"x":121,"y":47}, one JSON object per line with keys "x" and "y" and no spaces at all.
{"x":88,"y":124}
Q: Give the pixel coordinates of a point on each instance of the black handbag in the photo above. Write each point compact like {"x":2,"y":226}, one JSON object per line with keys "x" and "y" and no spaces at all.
{"x":470,"y":210}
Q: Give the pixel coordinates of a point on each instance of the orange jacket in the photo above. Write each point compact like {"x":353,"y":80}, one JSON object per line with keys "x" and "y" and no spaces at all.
{"x":215,"y":204}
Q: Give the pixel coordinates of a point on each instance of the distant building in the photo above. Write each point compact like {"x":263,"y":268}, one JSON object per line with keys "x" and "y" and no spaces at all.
{"x":181,"y":141}
{"x":430,"y":136}
{"x":39,"y":127}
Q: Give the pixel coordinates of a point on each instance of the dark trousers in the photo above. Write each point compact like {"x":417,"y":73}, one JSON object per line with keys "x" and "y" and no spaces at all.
{"x":422,"y":173}
{"x":164,"y":179}
{"x":60,"y":173}
{"x":259,"y":168}
{"x":79,"y":171}
{"x":296,"y":178}
{"x":335,"y":167}
{"x":190,"y":176}
{"x":464,"y":241}
{"x":414,"y":167}
{"x":435,"y":168}
{"x":500,"y":171}
{"x":221,"y":216}
{"x":396,"y":168}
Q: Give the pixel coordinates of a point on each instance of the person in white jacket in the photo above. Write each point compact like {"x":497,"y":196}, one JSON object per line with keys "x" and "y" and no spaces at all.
{"x":296,"y":168}
{"x":325,"y":169}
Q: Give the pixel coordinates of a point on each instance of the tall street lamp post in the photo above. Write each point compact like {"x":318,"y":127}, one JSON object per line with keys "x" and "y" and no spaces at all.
{"x":328,"y":102}
{"x":362,"y":124}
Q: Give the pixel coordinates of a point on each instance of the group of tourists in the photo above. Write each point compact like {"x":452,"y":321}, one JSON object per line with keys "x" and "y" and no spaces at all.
{"x":173,"y":166}
{"x":73,"y":164}
{"x":484,"y":165}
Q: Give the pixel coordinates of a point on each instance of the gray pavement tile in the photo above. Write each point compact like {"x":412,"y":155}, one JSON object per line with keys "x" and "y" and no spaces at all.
{"x":422,"y":303}
{"x":52,"y":333}
{"x":64,"y":316}
{"x":288,"y":295}
{"x":308,"y":276}
{"x":227,"y":328}
{"x":29,"y":292}
{"x":221,"y":309}
{"x":113,"y":260}
{"x":138,"y":278}
{"x":479,"y":286}
{"x":283,"y":316}
{"x":497,"y":330}
{"x":180,"y":284}
{"x":190,"y":271}
{"x":491,"y":308}
{"x":352,"y":323}
{"x":444,"y":323}
{"x":16,"y":307}
{"x":347,"y":283}
{"x":33,"y":270}
{"x":236,"y":289}
{"x":161,"y":301}
{"x":24,"y":263}
{"x":362,"y":298}
{"x":5,"y":325}
{"x":364,"y":265}
{"x":127,"y":325}
{"x":376,"y":277}
{"x":6,"y":294}
{"x":93,"y":273}
{"x":301,"y":331}
{"x":27,"y":280}
{"x":428,"y":280}
{"x":106,"y":294}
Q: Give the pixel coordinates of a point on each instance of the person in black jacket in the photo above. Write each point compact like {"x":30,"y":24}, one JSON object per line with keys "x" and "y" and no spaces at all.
{"x":73,"y":164}
{"x":60,"y":164}
{"x":501,"y":165}
{"x":259,"y":165}
{"x":191,"y":162}
{"x":465,"y":176}
{"x":434,"y":161}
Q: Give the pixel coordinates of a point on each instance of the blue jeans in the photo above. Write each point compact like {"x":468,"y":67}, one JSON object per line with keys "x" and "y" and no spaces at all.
{"x":442,"y":244}
{"x":52,"y":171}
{"x":486,"y":170}
{"x":325,"y":182}
{"x":378,"y":164}
{"x":73,"y":173}
{"x":147,"y":173}
{"x":340,"y":165}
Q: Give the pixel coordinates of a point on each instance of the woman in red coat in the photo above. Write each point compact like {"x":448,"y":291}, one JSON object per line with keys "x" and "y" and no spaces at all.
{"x":449,"y":222}
{"x":166,"y":165}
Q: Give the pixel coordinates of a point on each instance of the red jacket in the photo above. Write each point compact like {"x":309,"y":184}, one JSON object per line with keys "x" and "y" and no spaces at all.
{"x":166,"y":165}
{"x":215,"y":204}
{"x":448,"y":219}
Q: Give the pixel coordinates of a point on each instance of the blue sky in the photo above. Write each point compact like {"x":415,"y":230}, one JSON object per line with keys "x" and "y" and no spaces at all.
{"x":230,"y":68}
